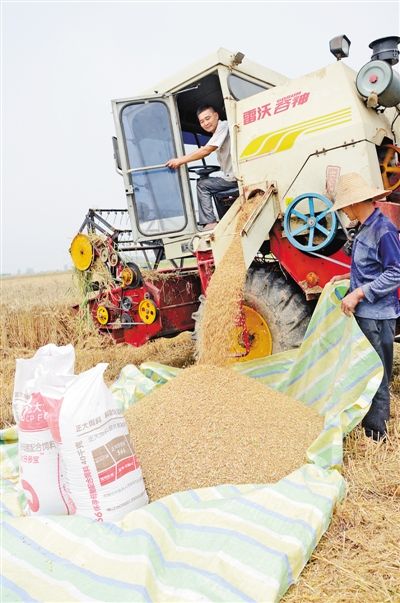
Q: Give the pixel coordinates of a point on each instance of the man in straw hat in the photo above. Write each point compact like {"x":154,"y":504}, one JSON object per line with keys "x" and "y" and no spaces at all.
{"x":374,"y":281}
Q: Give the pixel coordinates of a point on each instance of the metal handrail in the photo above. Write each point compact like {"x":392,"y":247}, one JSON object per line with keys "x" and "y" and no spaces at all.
{"x":144,"y":168}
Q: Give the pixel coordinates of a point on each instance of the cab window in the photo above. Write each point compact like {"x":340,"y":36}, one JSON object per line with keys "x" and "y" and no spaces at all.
{"x":241,"y":88}
{"x":157,"y":190}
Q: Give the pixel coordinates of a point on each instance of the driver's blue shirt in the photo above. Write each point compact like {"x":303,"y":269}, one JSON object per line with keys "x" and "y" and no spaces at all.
{"x":375,"y":267}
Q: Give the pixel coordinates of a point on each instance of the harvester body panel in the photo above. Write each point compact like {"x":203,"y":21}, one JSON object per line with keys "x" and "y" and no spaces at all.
{"x":292,"y":133}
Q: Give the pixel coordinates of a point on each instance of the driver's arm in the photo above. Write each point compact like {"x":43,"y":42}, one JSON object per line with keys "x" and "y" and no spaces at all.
{"x":200,"y":153}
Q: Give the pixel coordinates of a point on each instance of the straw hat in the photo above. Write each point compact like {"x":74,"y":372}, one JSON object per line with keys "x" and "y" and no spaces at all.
{"x":352,"y":188}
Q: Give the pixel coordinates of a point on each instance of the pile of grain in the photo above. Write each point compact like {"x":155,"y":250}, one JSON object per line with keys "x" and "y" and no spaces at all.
{"x":211,"y":425}
{"x":224,"y":296}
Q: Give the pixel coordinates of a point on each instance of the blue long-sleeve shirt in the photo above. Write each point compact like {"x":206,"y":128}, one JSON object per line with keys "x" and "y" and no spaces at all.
{"x":375,"y":267}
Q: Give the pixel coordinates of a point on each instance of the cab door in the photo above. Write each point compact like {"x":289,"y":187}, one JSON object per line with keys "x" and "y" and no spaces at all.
{"x":148,"y":135}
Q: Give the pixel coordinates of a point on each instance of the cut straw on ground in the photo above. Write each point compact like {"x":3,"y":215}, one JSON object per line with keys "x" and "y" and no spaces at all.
{"x":358,"y":558}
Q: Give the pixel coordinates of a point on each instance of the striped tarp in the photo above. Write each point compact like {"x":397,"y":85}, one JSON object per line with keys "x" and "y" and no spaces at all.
{"x":229,"y":543}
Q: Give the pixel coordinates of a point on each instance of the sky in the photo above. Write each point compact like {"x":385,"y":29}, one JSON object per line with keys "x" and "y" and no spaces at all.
{"x":63,"y":62}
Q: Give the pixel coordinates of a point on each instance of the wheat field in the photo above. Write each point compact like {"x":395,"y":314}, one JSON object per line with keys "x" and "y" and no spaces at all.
{"x":36,"y":310}
{"x":357,"y":559}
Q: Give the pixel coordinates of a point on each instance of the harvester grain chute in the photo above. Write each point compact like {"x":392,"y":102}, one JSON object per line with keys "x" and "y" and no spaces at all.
{"x":147,"y":266}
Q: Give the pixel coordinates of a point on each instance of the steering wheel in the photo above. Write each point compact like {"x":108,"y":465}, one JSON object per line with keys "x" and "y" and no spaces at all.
{"x":318,"y":228}
{"x":203,"y":171}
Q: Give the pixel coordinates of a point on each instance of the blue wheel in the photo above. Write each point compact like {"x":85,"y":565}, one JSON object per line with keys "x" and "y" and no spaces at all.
{"x":315,"y":229}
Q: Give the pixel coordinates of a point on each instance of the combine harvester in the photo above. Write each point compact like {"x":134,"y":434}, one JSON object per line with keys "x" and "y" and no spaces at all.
{"x":290,"y":141}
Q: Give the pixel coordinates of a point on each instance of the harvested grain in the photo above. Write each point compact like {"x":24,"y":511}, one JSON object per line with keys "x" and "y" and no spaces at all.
{"x":224,"y":295}
{"x":211,"y":425}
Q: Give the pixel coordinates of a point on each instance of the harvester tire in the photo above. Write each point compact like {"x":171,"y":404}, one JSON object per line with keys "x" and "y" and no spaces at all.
{"x":280,"y":303}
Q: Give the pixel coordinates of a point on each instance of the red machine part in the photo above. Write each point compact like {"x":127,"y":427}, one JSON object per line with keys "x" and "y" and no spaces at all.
{"x":205,"y":263}
{"x":313,"y":272}
{"x":175,"y":297}
{"x":309,"y":271}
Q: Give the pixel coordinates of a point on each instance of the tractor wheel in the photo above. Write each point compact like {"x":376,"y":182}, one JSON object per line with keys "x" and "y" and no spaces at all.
{"x":281,"y":304}
{"x":276,"y":312}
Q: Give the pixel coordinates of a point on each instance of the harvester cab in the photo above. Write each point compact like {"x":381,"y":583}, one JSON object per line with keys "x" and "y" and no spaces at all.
{"x":290,"y":141}
{"x":151,"y":129}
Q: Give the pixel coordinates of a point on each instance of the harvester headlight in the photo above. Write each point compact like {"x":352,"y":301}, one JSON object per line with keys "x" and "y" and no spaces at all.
{"x":340,"y":47}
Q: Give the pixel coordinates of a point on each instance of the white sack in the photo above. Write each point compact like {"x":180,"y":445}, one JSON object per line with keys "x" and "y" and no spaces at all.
{"x":102,"y":472}
{"x":39,"y":460}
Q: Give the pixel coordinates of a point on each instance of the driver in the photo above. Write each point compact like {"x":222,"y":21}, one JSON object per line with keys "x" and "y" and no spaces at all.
{"x":220,"y":142}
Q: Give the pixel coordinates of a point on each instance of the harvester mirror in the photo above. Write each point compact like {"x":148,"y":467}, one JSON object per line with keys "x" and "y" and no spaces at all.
{"x":340,"y":47}
{"x":116,"y":153}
